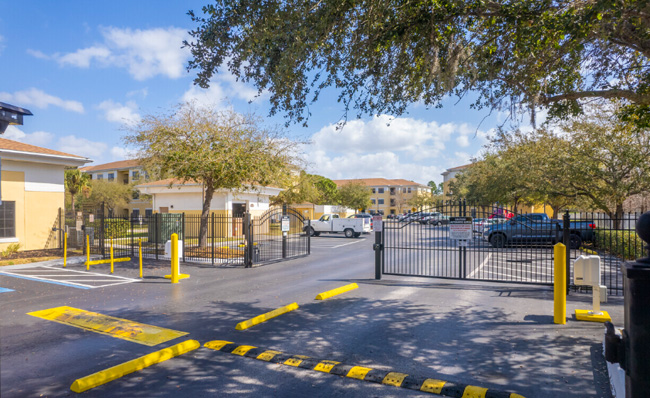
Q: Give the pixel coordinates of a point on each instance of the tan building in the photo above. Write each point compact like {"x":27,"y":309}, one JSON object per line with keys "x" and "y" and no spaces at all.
{"x":449,"y":175}
{"x":32,"y":193}
{"x":124,"y":172}
{"x":389,"y":196}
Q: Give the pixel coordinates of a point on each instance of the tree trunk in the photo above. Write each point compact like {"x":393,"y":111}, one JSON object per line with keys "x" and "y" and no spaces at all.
{"x":72,"y":204}
{"x":618,"y":220}
{"x":556,"y":211}
{"x":203,"y":230}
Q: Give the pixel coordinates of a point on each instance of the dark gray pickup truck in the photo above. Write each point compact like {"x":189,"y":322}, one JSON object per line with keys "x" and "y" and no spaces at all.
{"x":537,"y":229}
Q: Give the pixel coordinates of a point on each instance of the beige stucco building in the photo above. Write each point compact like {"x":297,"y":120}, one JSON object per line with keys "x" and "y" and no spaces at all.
{"x":32,"y":194}
{"x":389,"y":196}
{"x":124,"y":172}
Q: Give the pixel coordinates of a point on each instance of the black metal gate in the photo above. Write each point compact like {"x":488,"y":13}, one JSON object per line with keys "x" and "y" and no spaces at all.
{"x":276,"y":235}
{"x":420,"y":245}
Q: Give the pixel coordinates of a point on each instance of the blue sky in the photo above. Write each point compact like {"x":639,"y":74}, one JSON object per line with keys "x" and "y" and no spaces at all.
{"x":88,"y":69}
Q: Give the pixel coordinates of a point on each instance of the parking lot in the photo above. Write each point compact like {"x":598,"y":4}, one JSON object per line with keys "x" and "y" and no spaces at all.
{"x":494,"y":336}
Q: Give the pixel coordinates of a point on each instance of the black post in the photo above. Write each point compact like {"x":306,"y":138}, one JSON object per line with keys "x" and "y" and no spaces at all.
{"x":213,"y":235}
{"x":102,"y":236}
{"x":308,"y":237}
{"x":132,"y":220}
{"x":463,"y":249}
{"x":155,"y":221}
{"x":566,"y":239}
{"x":61,"y":217}
{"x":378,"y":247}
{"x":183,"y":234}
{"x":248,"y":253}
{"x":636,"y":336}
{"x":284,"y":234}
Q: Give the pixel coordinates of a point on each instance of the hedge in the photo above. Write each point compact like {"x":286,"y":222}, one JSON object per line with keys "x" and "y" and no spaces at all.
{"x":624,"y":244}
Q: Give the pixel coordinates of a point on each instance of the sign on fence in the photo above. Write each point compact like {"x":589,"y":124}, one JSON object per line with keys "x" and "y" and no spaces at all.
{"x":460,"y":228}
{"x":377,"y":224}
{"x":286,"y":224}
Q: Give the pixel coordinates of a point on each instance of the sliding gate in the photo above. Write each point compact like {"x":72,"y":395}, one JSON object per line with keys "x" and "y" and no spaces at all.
{"x":421,"y":245}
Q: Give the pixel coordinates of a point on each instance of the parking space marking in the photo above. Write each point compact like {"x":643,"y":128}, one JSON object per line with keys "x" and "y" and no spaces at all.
{"x":70,"y":278}
{"x":346,"y":244}
{"x":396,"y":379}
{"x":124,"y":329}
{"x":332,"y":242}
{"x":480,"y":267}
{"x":5,"y":290}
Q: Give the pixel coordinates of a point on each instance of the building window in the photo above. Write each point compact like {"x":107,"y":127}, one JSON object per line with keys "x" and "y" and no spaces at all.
{"x":380,"y":190}
{"x":372,"y":201}
{"x":135,"y":194}
{"x":7,"y":219}
{"x":380,"y":201}
{"x":372,"y":190}
{"x":148,"y":212}
{"x":111,"y":176}
{"x":409,"y":190}
{"x":392,"y":202}
{"x":135,"y":175}
{"x":99,"y":176}
{"x":392,"y":191}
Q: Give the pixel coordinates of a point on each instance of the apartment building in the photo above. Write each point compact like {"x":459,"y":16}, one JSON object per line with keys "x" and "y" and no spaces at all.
{"x":124,"y":172}
{"x":389,"y":196}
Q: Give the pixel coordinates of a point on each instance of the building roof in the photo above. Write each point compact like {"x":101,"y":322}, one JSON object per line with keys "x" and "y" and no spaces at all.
{"x":15,"y":146}
{"x":457,"y":168}
{"x":121,"y":164}
{"x":374,"y":182}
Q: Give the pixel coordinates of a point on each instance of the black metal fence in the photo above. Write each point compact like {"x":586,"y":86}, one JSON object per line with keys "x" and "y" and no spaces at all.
{"x":217,"y":240}
{"x":504,"y":245}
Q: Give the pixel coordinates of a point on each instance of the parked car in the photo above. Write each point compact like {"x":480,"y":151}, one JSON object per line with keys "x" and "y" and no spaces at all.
{"x":366,"y":216}
{"x":536,"y":229}
{"x":479,"y":225}
{"x":436,"y":219}
{"x":332,"y":223}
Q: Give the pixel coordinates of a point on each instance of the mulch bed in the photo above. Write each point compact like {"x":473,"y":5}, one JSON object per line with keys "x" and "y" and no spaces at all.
{"x":206,"y":252}
{"x":40,"y":253}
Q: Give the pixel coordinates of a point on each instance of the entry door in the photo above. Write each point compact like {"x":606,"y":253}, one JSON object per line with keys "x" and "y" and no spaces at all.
{"x":238,"y":210}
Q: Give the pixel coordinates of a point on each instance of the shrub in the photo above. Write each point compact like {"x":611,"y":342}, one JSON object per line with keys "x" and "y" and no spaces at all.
{"x":11,"y":249}
{"x":625,"y":244}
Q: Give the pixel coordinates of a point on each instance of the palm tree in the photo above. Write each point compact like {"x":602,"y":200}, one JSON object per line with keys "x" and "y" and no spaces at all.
{"x":75,"y":182}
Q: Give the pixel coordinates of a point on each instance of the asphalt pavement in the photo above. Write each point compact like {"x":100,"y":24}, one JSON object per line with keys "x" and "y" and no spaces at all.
{"x":493,"y":335}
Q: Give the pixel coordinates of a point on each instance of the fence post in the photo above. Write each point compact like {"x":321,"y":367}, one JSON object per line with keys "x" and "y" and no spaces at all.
{"x":566,"y":239}
{"x":284,"y":235}
{"x":155,"y":229}
{"x":213,"y":235}
{"x":132,"y":221}
{"x":378,"y":247}
{"x":61,"y":219}
{"x":308,"y":236}
{"x":183,"y":234}
{"x":102,"y":240}
{"x":248,"y":251}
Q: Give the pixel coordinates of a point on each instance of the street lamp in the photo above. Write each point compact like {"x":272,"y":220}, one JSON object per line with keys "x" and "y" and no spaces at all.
{"x":10,"y":114}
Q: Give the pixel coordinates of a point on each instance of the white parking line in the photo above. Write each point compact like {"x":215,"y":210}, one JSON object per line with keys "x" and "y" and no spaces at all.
{"x":48,"y":277}
{"x":480,"y":267}
{"x":345,"y":244}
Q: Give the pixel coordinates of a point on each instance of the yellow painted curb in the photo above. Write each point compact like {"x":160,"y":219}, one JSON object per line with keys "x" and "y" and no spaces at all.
{"x":110,"y":374}
{"x":265,"y":317}
{"x":108,"y":261}
{"x":588,"y":251}
{"x":338,"y":290}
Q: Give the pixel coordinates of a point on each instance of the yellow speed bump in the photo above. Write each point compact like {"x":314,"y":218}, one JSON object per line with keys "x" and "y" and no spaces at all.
{"x":338,"y":290}
{"x":265,"y":317}
{"x":108,"y":261}
{"x":110,"y":374}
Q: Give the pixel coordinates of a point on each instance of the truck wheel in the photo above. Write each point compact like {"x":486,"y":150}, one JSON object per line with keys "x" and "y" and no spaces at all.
{"x":316,"y":234}
{"x":498,"y":241}
{"x":349,"y":232}
{"x":311,"y":232}
{"x":575,"y":241}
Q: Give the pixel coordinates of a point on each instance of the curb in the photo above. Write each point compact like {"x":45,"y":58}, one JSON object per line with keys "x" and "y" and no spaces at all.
{"x":397,"y":379}
{"x":59,"y":261}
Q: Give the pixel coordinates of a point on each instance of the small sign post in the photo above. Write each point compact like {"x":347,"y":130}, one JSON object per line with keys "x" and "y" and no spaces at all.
{"x":286,"y":224}
{"x":377,"y":223}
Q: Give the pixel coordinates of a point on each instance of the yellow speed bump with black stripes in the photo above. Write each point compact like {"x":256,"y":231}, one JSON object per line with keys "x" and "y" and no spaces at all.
{"x":397,"y":379}
{"x":265,"y":317}
{"x":337,"y":291}
{"x":110,"y":374}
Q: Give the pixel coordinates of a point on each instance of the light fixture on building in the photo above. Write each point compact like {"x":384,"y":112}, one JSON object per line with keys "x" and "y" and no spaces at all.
{"x":10,"y":114}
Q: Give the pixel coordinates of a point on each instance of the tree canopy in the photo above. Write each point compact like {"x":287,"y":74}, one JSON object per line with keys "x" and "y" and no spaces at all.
{"x":76,"y":182}
{"x":382,"y":56}
{"x":311,"y":188}
{"x":355,"y":195}
{"x":220,"y":149}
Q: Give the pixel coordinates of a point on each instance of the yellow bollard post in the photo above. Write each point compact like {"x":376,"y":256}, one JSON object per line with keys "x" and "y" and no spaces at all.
{"x":559,"y":284}
{"x":65,"y":249}
{"x":174,"y":275}
{"x":140,"y":253}
{"x":87,"y":252}
{"x":111,"y":256}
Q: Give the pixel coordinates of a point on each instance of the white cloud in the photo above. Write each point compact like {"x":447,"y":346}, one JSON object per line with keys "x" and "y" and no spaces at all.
{"x":212,"y":97}
{"x":41,"y":99}
{"x":118,"y":113}
{"x":82,"y":147}
{"x":119,"y":153}
{"x":38,"y":138}
{"x":138,"y":93}
{"x":239,"y":89}
{"x":144,"y":53}
{"x":391,"y":148}
{"x":37,"y":54}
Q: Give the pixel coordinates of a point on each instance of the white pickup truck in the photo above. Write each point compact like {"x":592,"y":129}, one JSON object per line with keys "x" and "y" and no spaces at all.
{"x":333,"y":223}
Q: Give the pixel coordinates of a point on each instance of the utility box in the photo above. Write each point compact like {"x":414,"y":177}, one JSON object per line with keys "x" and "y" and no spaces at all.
{"x":168,"y":249}
{"x":586,"y":271}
